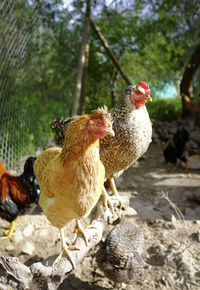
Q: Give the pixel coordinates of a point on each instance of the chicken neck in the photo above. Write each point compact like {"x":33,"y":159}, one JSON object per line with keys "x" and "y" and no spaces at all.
{"x":76,"y":144}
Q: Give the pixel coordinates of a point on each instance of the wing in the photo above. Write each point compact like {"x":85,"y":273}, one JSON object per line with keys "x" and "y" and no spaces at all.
{"x":8,"y":208}
{"x":11,"y":185}
{"x":41,"y":163}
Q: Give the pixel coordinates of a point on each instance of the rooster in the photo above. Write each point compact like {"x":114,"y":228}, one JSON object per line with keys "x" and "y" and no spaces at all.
{"x":17,"y":193}
{"x":71,"y":178}
{"x":133,"y":131}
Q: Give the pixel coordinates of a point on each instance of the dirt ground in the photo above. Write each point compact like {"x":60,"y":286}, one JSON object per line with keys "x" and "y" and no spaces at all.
{"x":172,"y":239}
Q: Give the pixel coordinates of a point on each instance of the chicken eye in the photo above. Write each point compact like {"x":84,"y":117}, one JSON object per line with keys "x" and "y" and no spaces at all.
{"x":99,"y":122}
{"x":137,"y":92}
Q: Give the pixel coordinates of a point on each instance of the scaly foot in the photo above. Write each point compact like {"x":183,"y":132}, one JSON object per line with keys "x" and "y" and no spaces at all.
{"x":80,"y":229}
{"x":10,"y":232}
{"x":66,"y":250}
{"x":115,"y":194}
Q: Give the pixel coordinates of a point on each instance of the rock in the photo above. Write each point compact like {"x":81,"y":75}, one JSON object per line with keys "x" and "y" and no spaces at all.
{"x":195,"y":136}
{"x":28,"y":230}
{"x":186,"y":264}
{"x":10,"y":248}
{"x":192,"y":147}
{"x":195,"y":236}
{"x":198,"y":236}
{"x":169,"y":226}
{"x":28,"y":248}
{"x":18,"y":236}
{"x":173,"y":218}
{"x":43,"y":233}
{"x":16,"y":275}
{"x":190,"y":213}
{"x":155,"y":256}
{"x":134,"y":193}
{"x":194,"y":162}
{"x":197,"y":274}
{"x":170,"y":217}
{"x":130,"y":211}
{"x":196,"y":195}
{"x":130,"y":287}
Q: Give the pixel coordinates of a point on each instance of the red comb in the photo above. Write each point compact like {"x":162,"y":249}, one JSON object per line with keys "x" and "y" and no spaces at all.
{"x":145,"y":87}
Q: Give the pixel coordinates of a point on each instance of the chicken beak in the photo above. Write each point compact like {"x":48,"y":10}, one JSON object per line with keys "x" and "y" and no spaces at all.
{"x":109,"y":131}
{"x":149,"y":98}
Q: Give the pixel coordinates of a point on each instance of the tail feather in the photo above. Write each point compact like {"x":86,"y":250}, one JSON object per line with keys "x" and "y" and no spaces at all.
{"x":59,"y":127}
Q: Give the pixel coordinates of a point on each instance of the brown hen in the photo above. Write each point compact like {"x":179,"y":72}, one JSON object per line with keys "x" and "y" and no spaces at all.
{"x":71,"y":178}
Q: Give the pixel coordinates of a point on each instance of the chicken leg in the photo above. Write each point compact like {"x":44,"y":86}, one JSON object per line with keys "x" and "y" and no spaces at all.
{"x":113,"y":187}
{"x":10,"y":232}
{"x":115,"y":193}
{"x":65,"y":249}
{"x":107,"y":200}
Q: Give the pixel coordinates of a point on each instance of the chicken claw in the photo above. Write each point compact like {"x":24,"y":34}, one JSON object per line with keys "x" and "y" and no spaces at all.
{"x":115,"y":192}
{"x":10,"y":232}
{"x":80,"y":229}
{"x":66,"y":250}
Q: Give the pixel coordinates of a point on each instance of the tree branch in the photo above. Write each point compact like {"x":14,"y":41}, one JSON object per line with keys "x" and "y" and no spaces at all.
{"x":45,"y":276}
{"x":109,"y":51}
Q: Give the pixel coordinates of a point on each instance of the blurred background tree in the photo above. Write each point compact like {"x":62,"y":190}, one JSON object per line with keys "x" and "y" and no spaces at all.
{"x":154,"y":41}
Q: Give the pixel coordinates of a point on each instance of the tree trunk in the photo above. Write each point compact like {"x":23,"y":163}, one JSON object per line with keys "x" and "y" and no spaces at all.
{"x":81,"y":60}
{"x":84,"y":79}
{"x":186,"y":86}
{"x":113,"y":83}
{"x":109,"y":51}
{"x":190,"y":108}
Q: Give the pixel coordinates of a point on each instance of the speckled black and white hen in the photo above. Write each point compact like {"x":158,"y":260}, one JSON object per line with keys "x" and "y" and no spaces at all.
{"x":133,"y":131}
{"x":119,"y":257}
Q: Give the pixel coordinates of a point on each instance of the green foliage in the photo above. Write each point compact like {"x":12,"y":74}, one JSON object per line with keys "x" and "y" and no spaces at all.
{"x":153,"y":41}
{"x":165,"y":109}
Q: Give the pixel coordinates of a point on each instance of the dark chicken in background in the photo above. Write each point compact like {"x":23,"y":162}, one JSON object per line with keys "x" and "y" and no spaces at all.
{"x":175,"y":148}
{"x":17,"y":193}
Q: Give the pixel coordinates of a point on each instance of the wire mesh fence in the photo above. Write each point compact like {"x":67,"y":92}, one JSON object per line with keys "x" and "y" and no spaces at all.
{"x":19,"y":33}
